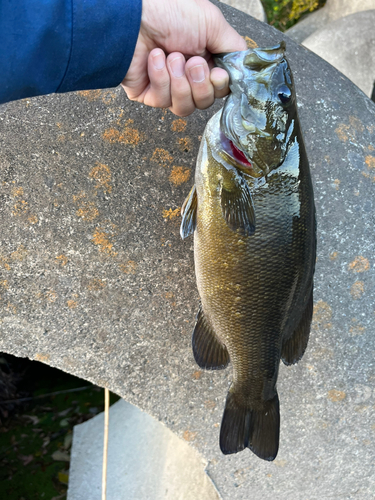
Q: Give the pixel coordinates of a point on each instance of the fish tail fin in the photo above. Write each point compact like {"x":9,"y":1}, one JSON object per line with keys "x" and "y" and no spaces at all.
{"x":257,"y":429}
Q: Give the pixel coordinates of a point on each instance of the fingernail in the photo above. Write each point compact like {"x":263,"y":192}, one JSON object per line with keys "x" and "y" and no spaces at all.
{"x":158,"y":60}
{"x":178,"y":67}
{"x":197,"y":73}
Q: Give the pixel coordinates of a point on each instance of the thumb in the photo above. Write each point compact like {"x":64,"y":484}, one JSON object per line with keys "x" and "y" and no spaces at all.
{"x":221,"y":37}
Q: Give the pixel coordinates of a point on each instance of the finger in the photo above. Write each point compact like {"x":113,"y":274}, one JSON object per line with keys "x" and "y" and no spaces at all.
{"x":199,"y":78}
{"x":221,"y":37}
{"x":158,"y":93}
{"x":181,"y":96}
{"x":220,"y":81}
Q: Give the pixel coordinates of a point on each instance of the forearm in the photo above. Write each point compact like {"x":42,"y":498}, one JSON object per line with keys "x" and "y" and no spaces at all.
{"x":64,"y":45}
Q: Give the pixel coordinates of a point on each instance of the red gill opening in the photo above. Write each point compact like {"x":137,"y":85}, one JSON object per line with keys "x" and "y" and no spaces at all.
{"x":238,"y":154}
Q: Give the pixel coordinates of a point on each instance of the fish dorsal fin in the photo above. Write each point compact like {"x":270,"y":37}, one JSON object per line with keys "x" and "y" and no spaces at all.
{"x":294,"y":347}
{"x":209,"y":352}
{"x":189,"y":214}
{"x":237,"y":206}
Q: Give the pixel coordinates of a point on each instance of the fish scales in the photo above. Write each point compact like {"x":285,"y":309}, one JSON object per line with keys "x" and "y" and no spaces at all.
{"x":254,"y":248}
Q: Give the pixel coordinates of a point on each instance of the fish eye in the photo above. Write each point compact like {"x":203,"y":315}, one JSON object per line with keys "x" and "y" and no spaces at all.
{"x":284,"y":94}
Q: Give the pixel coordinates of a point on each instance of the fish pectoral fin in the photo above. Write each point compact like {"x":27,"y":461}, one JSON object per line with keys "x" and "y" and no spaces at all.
{"x":237,"y":206}
{"x":189,"y":214}
{"x":209,"y":352}
{"x":243,"y":426}
{"x":293,"y":348}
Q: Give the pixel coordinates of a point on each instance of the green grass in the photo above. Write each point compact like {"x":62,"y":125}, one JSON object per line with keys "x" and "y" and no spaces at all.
{"x":283,"y":14}
{"x":34,"y":431}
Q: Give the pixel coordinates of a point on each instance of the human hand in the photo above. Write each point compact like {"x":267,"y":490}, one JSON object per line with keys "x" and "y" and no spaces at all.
{"x":189,"y":32}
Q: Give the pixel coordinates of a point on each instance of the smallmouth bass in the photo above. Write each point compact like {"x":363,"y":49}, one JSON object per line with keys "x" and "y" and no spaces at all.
{"x":253,"y":217}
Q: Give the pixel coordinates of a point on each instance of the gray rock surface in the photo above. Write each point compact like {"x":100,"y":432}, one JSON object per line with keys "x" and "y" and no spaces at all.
{"x":146,"y":461}
{"x":252,"y":7}
{"x":96,"y":281}
{"x":333,"y":9}
{"x":349,"y":45}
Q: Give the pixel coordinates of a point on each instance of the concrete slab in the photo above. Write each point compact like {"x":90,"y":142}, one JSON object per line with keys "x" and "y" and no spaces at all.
{"x":333,"y":9}
{"x":146,"y":461}
{"x":96,"y":281}
{"x":349,"y":45}
{"x":252,"y":7}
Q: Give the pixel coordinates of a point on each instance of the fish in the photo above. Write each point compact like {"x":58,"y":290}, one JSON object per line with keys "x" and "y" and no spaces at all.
{"x":252,"y":214}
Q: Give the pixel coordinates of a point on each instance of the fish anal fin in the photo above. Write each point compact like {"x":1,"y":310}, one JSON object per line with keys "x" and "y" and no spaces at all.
{"x":293,"y":348}
{"x":189,"y":214}
{"x":237,"y":206}
{"x":257,"y":429}
{"x":209,"y":352}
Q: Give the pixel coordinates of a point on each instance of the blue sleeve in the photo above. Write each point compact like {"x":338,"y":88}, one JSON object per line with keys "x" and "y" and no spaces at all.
{"x":51,"y":46}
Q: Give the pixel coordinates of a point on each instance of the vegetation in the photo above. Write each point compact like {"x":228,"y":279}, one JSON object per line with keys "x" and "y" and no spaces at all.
{"x":283,"y":14}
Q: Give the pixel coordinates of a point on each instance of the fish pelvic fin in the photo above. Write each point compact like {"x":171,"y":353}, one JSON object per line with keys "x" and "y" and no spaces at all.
{"x":237,"y":206}
{"x":294,"y":348}
{"x":244,"y":427}
{"x":189,"y":214}
{"x":209,"y":352}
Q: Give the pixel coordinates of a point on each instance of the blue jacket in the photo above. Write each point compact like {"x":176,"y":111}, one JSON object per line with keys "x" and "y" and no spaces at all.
{"x":63,"y":45}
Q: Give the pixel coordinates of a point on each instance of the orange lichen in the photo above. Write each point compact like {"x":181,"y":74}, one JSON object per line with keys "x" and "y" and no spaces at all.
{"x":333,"y":255}
{"x":12,"y":308}
{"x":347,"y":132}
{"x":179,"y":175}
{"x":96,"y":284}
{"x":322,"y":315}
{"x":43,"y":358}
{"x":209,"y":404}
{"x":61,"y":259}
{"x":172,"y":214}
{"x":102,"y":174}
{"x":72,"y":304}
{"x":336,"y":396}
{"x":90,"y":95}
{"x":4,"y":284}
{"x":129,"y":268}
{"x":342,"y":132}
{"x":184,"y":144}
{"x":251,"y":44}
{"x":178,"y":125}
{"x":197,"y":374}
{"x":101,"y":239}
{"x":357,"y":290}
{"x":359,"y":265}
{"x":20,"y":208}
{"x":4,"y":262}
{"x":78,"y":197}
{"x":161,"y":156}
{"x":356,"y":328}
{"x":336,"y":182}
{"x":19,"y":254}
{"x":371,"y":148}
{"x":370,"y":161}
{"x":128,"y":135}
{"x":189,"y":435}
{"x":33,"y":219}
{"x":17,"y":192}
{"x":87,"y":211}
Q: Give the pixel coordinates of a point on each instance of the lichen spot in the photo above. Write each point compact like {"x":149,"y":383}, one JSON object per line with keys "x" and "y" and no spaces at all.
{"x":370,"y":161}
{"x":333,"y":255}
{"x":102,"y":174}
{"x":88,"y":211}
{"x":96,"y":284}
{"x":129,"y":268}
{"x":72,"y":304}
{"x":357,"y":328}
{"x":179,"y":175}
{"x":359,"y":265}
{"x":342,"y":132}
{"x":43,"y":358}
{"x":335,"y":396}
{"x":90,"y":95}
{"x":19,"y":254}
{"x":357,"y":290}
{"x":322,"y":315}
{"x":251,"y":44}
{"x":197,"y":374}
{"x":336,"y":183}
{"x":172,"y":214}
{"x":184,"y":144}
{"x":189,"y":435}
{"x":17,"y":192}
{"x":161,"y":157}
{"x":33,"y":219}
{"x":62,"y":260}
{"x":128,"y":135}
{"x":102,"y":240}
{"x":371,"y":148}
{"x":178,"y":125}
